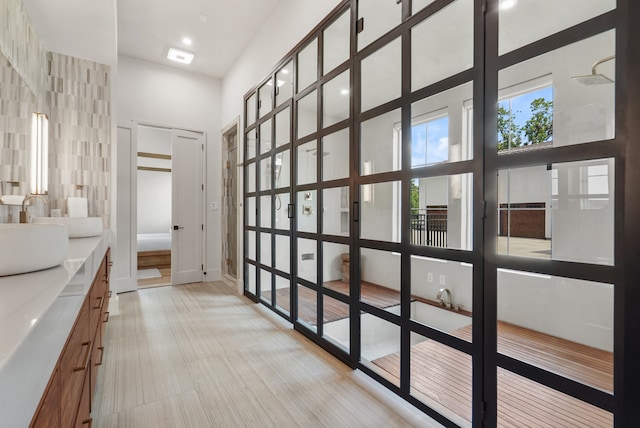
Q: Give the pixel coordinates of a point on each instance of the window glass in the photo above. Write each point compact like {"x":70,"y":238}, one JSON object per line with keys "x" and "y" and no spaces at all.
{"x":336,"y":43}
{"x":308,"y":65}
{"x":449,"y":395}
{"x":265,"y":174}
{"x":251,"y":177}
{"x":335,"y":211}
{"x":308,"y":307}
{"x":307,"y":260}
{"x":580,"y":104}
{"x":251,"y":245}
{"x":251,"y":278}
{"x":380,"y":279}
{"x":562,"y":211}
{"x":251,"y":211}
{"x":265,"y":211}
{"x":335,"y":155}
{"x":380,"y":211}
{"x":381,"y":76}
{"x":380,"y":144}
{"x":441,"y":293}
{"x":523,"y":22}
{"x":335,"y":267}
{"x":439,"y":49}
{"x":283,"y":294}
{"x":283,"y":256}
{"x":283,"y":127}
{"x":282,"y":169}
{"x":546,"y":320}
{"x":281,"y":203}
{"x":284,"y":79}
{"x":336,"y":322}
{"x":308,"y":163}
{"x":379,"y":17}
{"x":265,"y":100}
{"x":251,"y":109}
{"x":265,"y":137}
{"x":266,"y":285}
{"x":380,"y":346}
{"x":441,"y":211}
{"x":308,"y":211}
{"x":335,"y":100}
{"x":308,"y":114}
{"x":250,"y":143}
{"x":265,"y":249}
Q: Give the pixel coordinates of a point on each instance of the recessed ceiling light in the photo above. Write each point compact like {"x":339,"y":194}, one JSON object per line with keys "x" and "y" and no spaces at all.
{"x":187,"y":41}
{"x":285,"y":71}
{"x":507,"y":4}
{"x":344,"y":92}
{"x":180,"y":56}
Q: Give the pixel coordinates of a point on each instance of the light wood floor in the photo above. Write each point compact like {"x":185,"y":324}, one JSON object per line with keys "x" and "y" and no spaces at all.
{"x":165,"y":279}
{"x":199,"y":355}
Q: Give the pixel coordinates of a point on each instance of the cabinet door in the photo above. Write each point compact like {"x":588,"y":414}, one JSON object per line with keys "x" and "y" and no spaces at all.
{"x":73,"y":366}
{"x":48,"y":415}
{"x":83,"y":419}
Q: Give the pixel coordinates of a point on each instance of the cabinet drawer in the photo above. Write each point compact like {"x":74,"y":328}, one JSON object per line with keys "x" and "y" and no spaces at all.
{"x":97,"y":354}
{"x":74,"y":363}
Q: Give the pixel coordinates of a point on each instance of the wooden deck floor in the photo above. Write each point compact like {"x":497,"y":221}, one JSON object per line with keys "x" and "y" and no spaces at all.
{"x":443,"y":375}
{"x":373,"y":294}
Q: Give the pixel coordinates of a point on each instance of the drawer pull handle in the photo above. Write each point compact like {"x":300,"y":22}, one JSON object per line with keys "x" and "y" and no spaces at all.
{"x":109,"y":293}
{"x":101,"y":349}
{"x":87,"y":346}
{"x":99,"y":305}
{"x":106,"y":317}
{"x":87,"y":422}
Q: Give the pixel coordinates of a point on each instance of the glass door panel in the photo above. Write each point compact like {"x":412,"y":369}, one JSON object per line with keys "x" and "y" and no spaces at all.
{"x":381,"y":144}
{"x":336,"y":267}
{"x":381,"y":76}
{"x":283,"y":294}
{"x":523,"y":402}
{"x":335,"y":155}
{"x":380,"y":347}
{"x":441,"y":377}
{"x":336,"y":323}
{"x":307,"y":163}
{"x":335,"y":100}
{"x":308,"y":307}
{"x":547,"y":321}
{"x":308,"y":65}
{"x":336,"y":42}
{"x":308,"y":211}
{"x":441,"y":295}
{"x":380,"y":211}
{"x":378,"y":18}
{"x":380,"y":279}
{"x":284,"y":80}
{"x":335,"y":211}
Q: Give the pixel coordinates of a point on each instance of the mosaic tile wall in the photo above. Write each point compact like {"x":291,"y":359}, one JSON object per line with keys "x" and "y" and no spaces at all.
{"x":79,"y":100}
{"x":17,"y":103}
{"x":21,"y":46}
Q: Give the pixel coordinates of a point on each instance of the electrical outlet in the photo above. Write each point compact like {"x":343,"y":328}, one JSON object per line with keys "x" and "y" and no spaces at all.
{"x":442,"y":280}
{"x":429,"y":277}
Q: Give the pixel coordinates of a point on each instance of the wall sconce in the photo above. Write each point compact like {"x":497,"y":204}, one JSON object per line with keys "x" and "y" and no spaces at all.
{"x":39,"y":154}
{"x":367,"y":189}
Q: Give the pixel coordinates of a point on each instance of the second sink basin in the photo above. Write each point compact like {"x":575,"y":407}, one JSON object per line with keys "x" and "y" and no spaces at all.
{"x":78,"y":227}
{"x":31,"y":247}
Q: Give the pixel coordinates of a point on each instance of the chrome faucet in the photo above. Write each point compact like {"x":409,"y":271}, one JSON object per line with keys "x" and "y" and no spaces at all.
{"x":24,"y":215}
{"x":441,"y":298}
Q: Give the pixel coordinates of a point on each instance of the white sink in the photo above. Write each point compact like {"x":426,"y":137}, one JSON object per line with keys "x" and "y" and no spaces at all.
{"x":78,"y":227}
{"x":31,"y":247}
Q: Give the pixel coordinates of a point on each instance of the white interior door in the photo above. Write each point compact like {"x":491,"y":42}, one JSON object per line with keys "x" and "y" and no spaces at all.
{"x":187,"y":222}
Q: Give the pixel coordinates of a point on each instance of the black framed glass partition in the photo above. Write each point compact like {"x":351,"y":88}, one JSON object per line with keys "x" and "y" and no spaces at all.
{"x":437,"y":193}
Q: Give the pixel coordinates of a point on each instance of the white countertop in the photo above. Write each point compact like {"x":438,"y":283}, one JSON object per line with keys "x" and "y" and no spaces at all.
{"x":37,"y":312}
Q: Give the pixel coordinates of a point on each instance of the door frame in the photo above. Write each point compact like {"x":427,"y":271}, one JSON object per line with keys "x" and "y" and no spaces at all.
{"x":133,"y":226}
{"x":229,"y":129}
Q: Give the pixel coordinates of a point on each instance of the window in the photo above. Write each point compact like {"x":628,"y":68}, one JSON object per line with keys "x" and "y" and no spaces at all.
{"x":525,"y":119}
{"x":430,"y":142}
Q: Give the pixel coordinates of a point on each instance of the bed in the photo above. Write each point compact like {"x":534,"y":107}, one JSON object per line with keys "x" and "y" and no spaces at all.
{"x":154,"y":250}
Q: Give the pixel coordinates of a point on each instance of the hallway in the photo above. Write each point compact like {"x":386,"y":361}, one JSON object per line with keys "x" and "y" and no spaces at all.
{"x":199,"y":355}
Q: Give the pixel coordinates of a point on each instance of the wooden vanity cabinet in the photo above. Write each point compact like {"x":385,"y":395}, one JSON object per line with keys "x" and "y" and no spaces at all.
{"x":67,"y":400}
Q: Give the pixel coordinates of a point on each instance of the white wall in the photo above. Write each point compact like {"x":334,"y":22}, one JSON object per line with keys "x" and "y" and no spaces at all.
{"x":160,"y":95}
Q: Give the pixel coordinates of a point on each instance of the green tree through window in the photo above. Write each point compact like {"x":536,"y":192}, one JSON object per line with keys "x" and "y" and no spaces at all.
{"x":525,"y":119}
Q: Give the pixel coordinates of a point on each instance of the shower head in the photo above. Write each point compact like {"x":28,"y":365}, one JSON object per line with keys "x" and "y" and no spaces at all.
{"x":595,"y":78}
{"x":315,"y":152}
{"x":592,"y":79}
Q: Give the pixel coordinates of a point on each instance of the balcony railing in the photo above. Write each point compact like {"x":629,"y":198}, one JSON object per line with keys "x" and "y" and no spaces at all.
{"x":429,"y":226}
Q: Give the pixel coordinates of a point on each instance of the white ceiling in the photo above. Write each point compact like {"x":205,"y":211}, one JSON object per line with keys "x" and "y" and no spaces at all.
{"x":146,"y":29}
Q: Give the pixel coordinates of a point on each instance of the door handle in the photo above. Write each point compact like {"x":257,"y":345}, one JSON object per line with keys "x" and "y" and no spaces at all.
{"x":176,"y":227}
